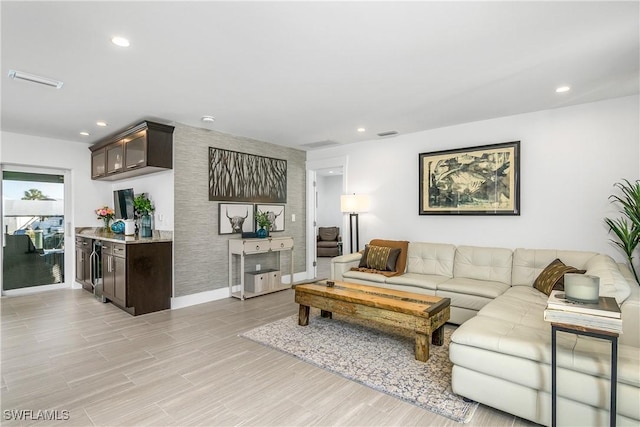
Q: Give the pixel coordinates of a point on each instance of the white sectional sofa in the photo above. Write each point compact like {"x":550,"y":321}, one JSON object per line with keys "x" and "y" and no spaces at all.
{"x":502,"y":351}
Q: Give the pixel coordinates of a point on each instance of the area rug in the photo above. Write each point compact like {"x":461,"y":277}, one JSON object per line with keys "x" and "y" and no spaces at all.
{"x":380,"y":356}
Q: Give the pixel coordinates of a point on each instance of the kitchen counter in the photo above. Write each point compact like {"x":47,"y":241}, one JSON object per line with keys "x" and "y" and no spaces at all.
{"x":98,"y":233}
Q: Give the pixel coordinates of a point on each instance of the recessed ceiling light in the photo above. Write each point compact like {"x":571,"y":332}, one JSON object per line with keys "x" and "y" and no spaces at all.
{"x":563,"y":89}
{"x":120,"y":41}
{"x":85,"y":133}
{"x":208,"y":119}
{"x":101,"y":123}
{"x":361,"y":129}
{"x":21,"y":75}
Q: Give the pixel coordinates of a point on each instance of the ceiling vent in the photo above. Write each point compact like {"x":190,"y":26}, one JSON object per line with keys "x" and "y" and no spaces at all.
{"x":21,"y":75}
{"x":320,"y":144}
{"x":388,"y":133}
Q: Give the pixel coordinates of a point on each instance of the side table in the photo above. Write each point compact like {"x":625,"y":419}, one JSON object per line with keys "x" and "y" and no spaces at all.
{"x":595,"y":333}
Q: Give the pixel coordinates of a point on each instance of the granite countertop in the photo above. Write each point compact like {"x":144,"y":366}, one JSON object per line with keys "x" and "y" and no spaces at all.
{"x":98,"y":233}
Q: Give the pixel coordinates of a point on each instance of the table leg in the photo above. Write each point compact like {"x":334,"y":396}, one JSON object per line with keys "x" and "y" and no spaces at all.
{"x":327,"y":314}
{"x":422,"y":347}
{"x":303,"y":315}
{"x":437,"y":337}
{"x":613,"y":408}
{"x":553,"y":377}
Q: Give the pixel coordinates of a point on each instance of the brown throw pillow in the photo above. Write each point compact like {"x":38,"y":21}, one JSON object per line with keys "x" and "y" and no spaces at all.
{"x":379,"y":258}
{"x":402,"y":258}
{"x":552,"y":277}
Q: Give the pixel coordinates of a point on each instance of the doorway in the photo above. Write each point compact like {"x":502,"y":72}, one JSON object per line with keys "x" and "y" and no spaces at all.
{"x":34,"y":229}
{"x":326,"y":182}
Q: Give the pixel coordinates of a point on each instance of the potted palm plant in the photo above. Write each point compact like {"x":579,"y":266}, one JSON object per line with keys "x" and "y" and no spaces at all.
{"x":627,"y":228}
{"x":143,"y":209}
{"x":262,"y":218}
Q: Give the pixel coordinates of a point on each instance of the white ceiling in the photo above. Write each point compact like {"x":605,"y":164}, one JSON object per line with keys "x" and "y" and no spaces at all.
{"x":295,"y":73}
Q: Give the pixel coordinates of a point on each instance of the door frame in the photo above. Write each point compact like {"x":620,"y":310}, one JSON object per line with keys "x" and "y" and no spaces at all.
{"x":312,"y":166}
{"x":69,"y":245}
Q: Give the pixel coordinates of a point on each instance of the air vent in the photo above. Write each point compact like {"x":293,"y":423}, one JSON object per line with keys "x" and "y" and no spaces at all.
{"x":388,"y":133}
{"x":320,"y":144}
{"x":21,"y":75}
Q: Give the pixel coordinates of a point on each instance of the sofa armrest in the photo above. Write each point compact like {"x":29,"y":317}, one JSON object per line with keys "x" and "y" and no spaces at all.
{"x":630,"y":311}
{"x":343,"y":263}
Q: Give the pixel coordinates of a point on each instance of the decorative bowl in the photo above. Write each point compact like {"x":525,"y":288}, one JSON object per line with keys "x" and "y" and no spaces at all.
{"x":118,"y":227}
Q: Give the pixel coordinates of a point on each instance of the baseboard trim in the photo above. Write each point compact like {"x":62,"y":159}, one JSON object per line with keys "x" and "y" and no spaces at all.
{"x":220,"y":293}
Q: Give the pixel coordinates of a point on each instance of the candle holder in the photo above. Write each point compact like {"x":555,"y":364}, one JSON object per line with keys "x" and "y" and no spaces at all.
{"x":582,"y":288}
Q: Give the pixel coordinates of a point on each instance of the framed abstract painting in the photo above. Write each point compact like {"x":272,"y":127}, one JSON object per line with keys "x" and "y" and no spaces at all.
{"x":482,"y":180}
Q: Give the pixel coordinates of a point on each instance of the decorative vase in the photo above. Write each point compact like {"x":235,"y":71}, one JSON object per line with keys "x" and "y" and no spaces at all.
{"x":106,"y":220}
{"x":145,"y":226}
{"x":262,"y":233}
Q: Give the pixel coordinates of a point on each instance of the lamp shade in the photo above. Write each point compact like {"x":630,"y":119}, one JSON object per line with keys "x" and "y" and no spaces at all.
{"x":354,"y":203}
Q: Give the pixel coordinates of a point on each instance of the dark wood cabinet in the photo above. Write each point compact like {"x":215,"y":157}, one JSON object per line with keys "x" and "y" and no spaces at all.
{"x":83,"y":262}
{"x":139,"y":150}
{"x":114,"y":277}
{"x":137,"y":277}
{"x":115,"y":158}
{"x":98,"y":164}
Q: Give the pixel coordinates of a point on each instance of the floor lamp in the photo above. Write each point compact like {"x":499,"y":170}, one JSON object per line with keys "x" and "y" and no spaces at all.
{"x":353,"y":205}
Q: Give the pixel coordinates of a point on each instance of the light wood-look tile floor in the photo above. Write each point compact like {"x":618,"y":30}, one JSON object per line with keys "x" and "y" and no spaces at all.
{"x":63,"y":350}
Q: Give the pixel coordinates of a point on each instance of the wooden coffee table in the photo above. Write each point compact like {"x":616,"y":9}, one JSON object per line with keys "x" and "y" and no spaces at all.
{"x":425,"y":315}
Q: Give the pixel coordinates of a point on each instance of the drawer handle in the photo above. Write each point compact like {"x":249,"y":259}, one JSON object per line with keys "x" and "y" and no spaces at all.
{"x":282,"y":245}
{"x":257,"y":247}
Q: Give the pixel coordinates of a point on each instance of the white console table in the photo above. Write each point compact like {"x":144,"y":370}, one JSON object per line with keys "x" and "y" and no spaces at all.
{"x":246,"y":247}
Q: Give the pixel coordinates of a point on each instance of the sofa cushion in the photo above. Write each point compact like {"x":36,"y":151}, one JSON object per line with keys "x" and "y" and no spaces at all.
{"x":354,"y":274}
{"x":480,"y":263}
{"x":425,"y":281}
{"x":513,"y":325}
{"x":529,"y":263}
{"x":481,"y":288}
{"x":327,"y":244}
{"x":431,"y":258}
{"x":552,"y":277}
{"x":464,"y":301}
{"x":382,"y":258}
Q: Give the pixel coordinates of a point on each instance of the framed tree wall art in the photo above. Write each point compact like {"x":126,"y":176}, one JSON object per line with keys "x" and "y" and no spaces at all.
{"x":242,"y":177}
{"x":482,"y":180}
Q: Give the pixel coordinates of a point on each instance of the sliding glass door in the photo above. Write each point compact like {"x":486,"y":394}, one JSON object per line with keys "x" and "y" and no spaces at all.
{"x":33,"y":221}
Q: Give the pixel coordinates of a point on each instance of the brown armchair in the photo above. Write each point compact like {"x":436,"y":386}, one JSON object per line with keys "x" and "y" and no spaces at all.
{"x":329,"y":241}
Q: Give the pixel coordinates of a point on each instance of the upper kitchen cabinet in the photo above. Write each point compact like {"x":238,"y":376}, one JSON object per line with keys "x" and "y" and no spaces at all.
{"x":142,"y":149}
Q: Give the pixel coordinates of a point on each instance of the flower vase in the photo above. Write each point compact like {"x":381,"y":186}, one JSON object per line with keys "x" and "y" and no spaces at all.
{"x":262,"y":233}
{"x":145,"y":226}
{"x":107,"y":229}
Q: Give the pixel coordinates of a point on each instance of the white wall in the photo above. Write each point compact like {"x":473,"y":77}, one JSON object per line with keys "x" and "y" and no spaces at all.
{"x":329,"y":191}
{"x":159,"y":189}
{"x":570,"y":159}
{"x":87,"y":195}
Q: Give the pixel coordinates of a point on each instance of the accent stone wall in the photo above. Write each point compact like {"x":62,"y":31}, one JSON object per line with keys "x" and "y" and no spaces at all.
{"x":201,"y":261}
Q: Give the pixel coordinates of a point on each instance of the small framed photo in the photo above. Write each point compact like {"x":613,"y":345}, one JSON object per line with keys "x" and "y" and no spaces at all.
{"x":235,"y":218}
{"x":275,"y":214}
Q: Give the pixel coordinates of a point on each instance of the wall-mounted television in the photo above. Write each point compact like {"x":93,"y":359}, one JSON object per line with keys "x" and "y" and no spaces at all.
{"x":123,"y":201}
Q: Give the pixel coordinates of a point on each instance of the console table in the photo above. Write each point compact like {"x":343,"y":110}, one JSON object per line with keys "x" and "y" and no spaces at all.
{"x":242,"y":248}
